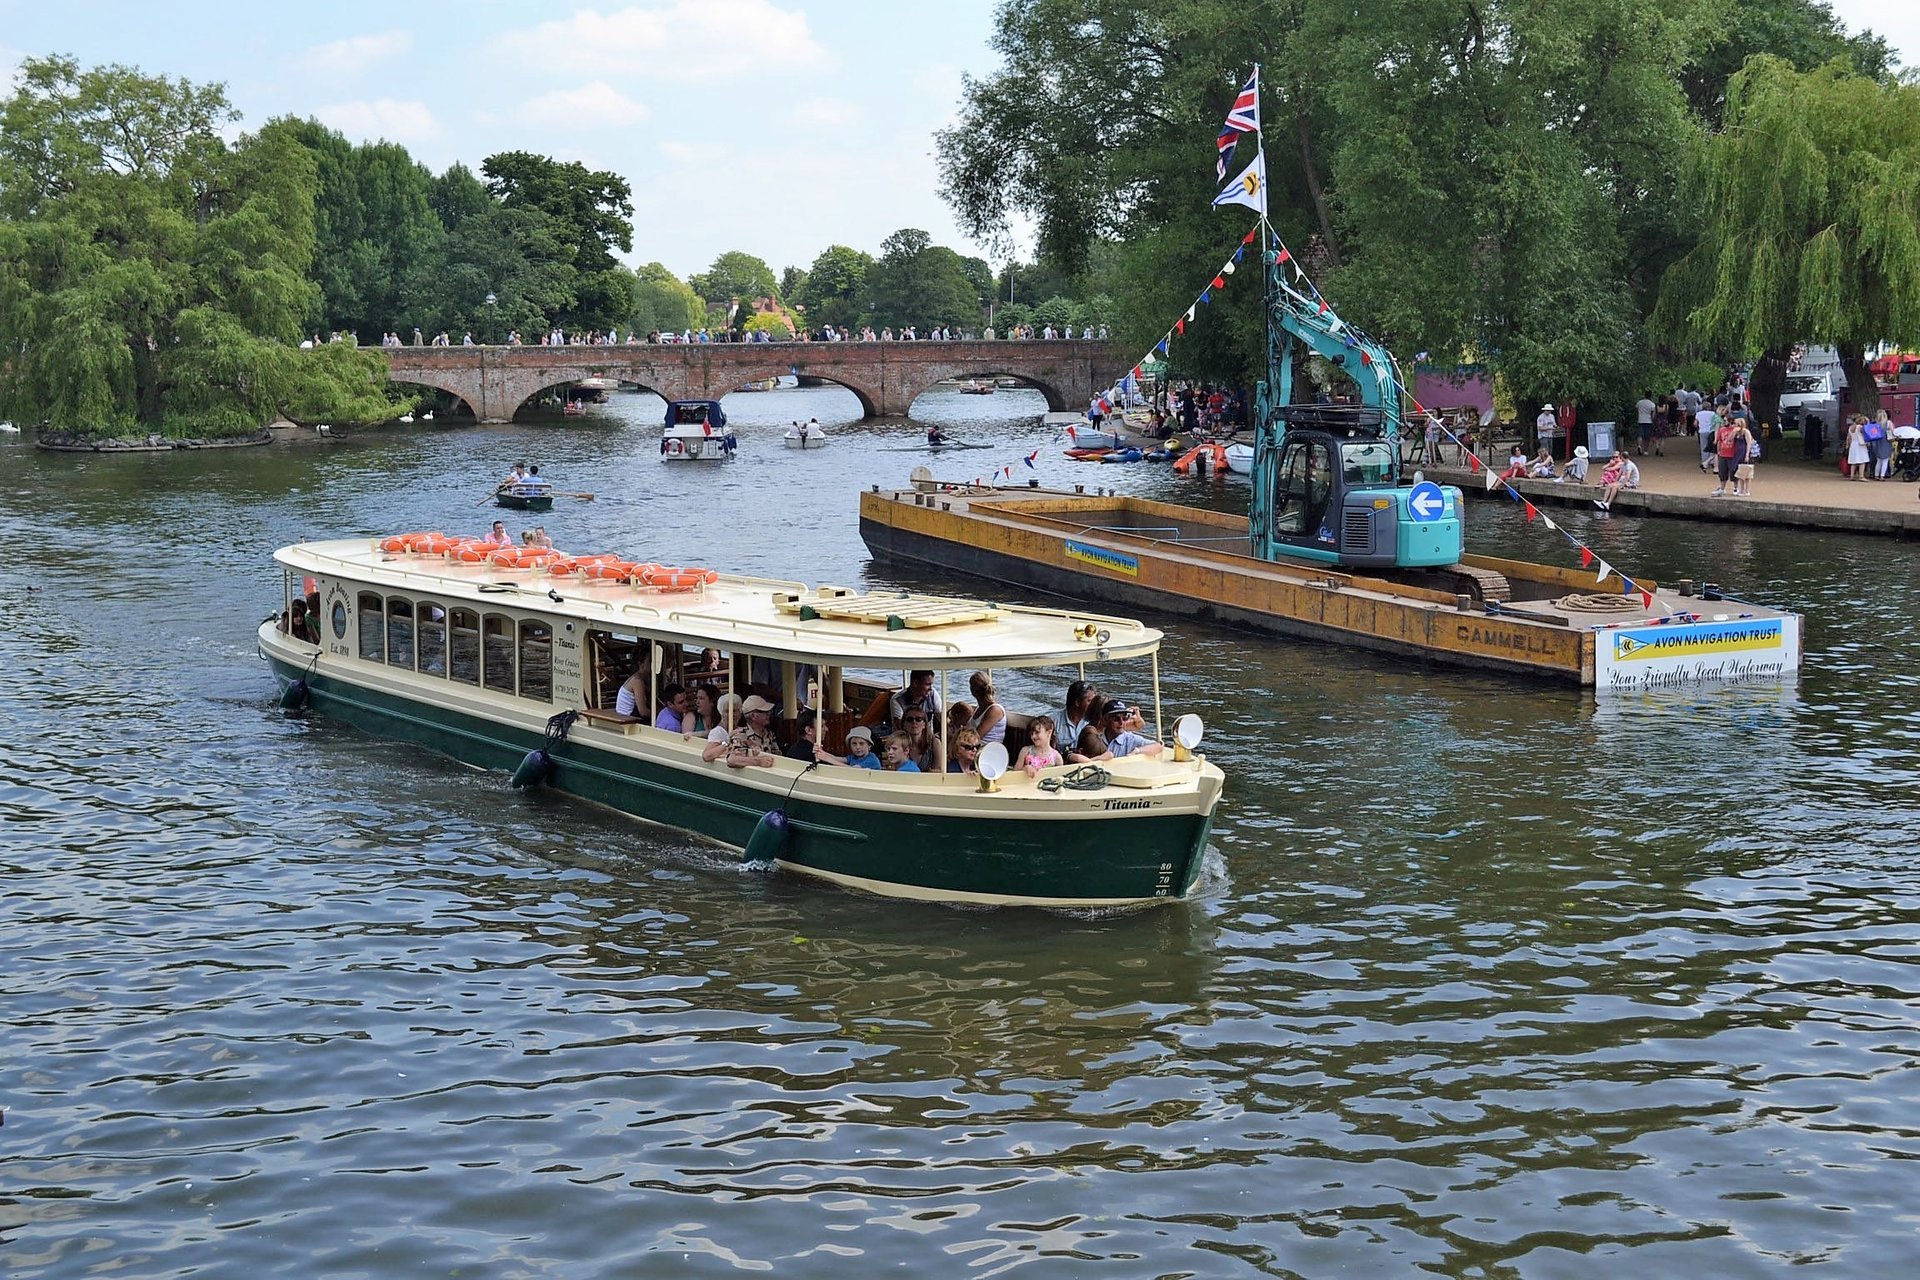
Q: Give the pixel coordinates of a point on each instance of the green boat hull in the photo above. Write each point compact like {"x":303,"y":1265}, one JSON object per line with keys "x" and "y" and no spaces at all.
{"x":520,"y":502}
{"x":1095,"y":859}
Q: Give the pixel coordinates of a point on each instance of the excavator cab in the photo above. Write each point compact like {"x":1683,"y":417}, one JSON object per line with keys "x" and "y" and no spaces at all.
{"x":1327,"y":488}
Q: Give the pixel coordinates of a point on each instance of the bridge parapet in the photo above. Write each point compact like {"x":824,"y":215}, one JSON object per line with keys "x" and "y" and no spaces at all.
{"x":886,"y":376}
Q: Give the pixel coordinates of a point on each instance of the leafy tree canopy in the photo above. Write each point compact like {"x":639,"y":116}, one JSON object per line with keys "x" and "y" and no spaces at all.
{"x":832,"y":289}
{"x":735,"y":276}
{"x":663,"y":302}
{"x":153,"y":278}
{"x":916,"y":282}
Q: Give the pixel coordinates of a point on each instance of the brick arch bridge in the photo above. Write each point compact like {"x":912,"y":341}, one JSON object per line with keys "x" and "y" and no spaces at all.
{"x":886,"y":376}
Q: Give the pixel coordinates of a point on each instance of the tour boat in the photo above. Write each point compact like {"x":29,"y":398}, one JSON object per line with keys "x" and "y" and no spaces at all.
{"x":696,"y":431}
{"x":512,"y":659}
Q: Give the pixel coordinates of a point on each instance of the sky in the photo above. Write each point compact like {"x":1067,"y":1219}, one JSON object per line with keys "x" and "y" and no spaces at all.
{"x":777,"y":127}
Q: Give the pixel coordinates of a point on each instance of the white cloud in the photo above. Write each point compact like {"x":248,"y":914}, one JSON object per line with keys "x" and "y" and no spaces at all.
{"x":344,"y":57}
{"x":825,"y":113}
{"x":409,"y":123}
{"x":684,"y":39}
{"x":598,"y":103}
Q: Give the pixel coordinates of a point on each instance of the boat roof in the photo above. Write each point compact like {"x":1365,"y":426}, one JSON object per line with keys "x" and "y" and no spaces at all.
{"x":838,"y":626}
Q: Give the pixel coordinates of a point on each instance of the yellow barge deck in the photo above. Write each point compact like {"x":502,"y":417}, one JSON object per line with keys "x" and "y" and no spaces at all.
{"x":1183,"y":560}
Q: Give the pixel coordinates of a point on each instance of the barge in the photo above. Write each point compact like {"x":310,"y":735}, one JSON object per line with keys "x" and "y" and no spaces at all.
{"x":1519,"y":619}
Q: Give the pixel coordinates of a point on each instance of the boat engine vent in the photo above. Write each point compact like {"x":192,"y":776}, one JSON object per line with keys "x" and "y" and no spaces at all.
{"x":894,"y":612}
{"x":1357,"y":537}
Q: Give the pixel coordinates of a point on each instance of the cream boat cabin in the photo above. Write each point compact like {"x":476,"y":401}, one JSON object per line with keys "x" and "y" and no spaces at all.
{"x":488,"y":662}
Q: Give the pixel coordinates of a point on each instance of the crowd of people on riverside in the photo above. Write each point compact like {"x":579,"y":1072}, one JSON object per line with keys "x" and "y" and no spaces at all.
{"x":615,"y":337}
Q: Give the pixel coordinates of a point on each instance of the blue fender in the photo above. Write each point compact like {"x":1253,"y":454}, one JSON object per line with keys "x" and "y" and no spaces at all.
{"x":533,"y":769}
{"x":769,"y":839}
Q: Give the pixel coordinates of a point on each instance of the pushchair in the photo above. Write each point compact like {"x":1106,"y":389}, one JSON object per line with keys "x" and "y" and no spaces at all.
{"x":1906,"y":459}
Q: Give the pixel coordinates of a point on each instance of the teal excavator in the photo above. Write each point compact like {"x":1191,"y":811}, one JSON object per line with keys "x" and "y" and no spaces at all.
{"x":1326,"y":477}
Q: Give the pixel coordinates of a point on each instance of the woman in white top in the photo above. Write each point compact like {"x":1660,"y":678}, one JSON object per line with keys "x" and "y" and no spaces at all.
{"x":991,"y":720}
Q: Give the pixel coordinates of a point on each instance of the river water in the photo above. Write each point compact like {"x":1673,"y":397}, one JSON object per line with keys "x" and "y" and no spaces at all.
{"x":1484,"y":980}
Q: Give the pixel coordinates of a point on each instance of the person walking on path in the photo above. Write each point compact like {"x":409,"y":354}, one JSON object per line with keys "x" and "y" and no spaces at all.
{"x":1643,"y":421}
{"x":1730,"y":450}
{"x":1706,"y":422}
{"x":1743,"y":473}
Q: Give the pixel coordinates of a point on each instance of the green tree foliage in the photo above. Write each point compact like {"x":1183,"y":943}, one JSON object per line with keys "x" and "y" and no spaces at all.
{"x":374,"y":226}
{"x":151,"y":276}
{"x":1495,"y":178}
{"x":793,"y":282}
{"x":916,"y":282}
{"x":776,"y":328}
{"x":662,"y":302}
{"x":1811,"y":219}
{"x":735,"y":276}
{"x":831,"y":292}
{"x":1804,"y":33}
{"x":589,"y":212}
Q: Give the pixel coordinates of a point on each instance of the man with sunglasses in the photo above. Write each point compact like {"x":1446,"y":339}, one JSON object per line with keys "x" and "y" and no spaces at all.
{"x":918,"y":695}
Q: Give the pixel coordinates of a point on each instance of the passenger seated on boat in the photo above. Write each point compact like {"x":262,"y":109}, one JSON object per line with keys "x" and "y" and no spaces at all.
{"x":918,"y":693}
{"x":959,"y":716}
{"x":898,"y":755}
{"x":805,"y":737}
{"x":916,"y":729}
{"x":990,"y":722}
{"x":1039,"y":753}
{"x":1118,"y":734}
{"x":632,"y":699}
{"x":859,"y":750}
{"x":295,"y":622}
{"x":728,"y":710}
{"x":703,"y":713}
{"x":1082,"y":709}
{"x":752,"y":743}
{"x":966,"y":752}
{"x":673,"y":707}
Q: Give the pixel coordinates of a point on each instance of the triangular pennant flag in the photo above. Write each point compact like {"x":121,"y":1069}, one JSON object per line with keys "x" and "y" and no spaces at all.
{"x":1646,"y":599}
{"x":1206,"y":295}
{"x":1219,"y":282}
{"x":1532,"y":510}
{"x":1161,"y":346}
{"x":1189,"y":313}
{"x":1180,"y":325}
{"x":1473,"y":463}
{"x":1493,"y":481}
{"x":1586,"y":557}
{"x":1226,"y":268}
{"x":1323,"y":309}
{"x":1299,"y":272}
{"x":1249,"y":189}
{"x":1364,"y":357}
{"x":1283,"y":255}
{"x":1136,"y":371}
{"x":1605,"y":569}
{"x":1248,"y":238}
{"x":1548,"y":521}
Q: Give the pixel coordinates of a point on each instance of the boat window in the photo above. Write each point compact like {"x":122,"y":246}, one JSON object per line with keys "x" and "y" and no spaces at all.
{"x":611,"y":660}
{"x":399,"y":632}
{"x":465,"y":661}
{"x":372,"y":628}
{"x":497,"y":652}
{"x":536,"y":661}
{"x":432,"y":629}
{"x":689,"y":414}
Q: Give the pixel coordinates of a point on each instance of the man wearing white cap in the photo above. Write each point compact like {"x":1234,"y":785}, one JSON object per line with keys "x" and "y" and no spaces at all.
{"x":753,"y":742}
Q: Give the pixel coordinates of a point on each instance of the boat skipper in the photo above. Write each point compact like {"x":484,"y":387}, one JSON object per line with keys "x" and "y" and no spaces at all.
{"x":515,"y":478}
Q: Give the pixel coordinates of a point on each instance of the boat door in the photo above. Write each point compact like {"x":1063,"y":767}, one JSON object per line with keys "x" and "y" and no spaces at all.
{"x":1306,"y":497}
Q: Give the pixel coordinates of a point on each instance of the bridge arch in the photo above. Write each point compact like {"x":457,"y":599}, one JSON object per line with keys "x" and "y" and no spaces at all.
{"x":868,"y":396}
{"x":934,"y":375}
{"x":460,"y":388}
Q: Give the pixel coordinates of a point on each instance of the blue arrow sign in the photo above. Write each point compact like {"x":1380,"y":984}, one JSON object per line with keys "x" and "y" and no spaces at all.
{"x":1426,"y":502}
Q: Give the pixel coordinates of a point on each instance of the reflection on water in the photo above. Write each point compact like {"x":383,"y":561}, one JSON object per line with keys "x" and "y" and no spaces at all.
{"x":1485,"y":980}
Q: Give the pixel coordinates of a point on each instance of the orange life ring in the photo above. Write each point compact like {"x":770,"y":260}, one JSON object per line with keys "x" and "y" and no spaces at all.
{"x":471,"y":552}
{"x":607,"y":570}
{"x":397,"y":543}
{"x":429,"y":544}
{"x":666,"y":578}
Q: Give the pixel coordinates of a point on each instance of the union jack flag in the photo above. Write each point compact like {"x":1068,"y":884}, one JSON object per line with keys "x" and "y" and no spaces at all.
{"x":1242,"y":117}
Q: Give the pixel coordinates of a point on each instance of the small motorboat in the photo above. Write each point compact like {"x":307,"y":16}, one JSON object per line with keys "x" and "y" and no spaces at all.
{"x":804,"y":435}
{"x":1240,"y":459}
{"x":696,"y":431}
{"x":574,"y":408}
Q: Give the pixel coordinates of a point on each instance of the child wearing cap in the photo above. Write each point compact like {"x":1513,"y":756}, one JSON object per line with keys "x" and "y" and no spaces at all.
{"x":859,"y":750}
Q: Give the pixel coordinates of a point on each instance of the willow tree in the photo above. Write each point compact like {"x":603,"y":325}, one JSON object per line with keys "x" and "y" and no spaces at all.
{"x":151,"y":276}
{"x":1810,"y":224}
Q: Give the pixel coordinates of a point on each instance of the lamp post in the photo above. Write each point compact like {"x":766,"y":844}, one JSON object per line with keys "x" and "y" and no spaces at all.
{"x":493,"y":325}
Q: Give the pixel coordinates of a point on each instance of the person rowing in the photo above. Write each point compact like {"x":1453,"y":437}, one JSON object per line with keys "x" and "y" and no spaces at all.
{"x":935,"y":436}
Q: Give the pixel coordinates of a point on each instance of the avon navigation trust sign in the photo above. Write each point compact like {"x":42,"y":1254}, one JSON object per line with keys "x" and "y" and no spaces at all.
{"x":1730,"y":651}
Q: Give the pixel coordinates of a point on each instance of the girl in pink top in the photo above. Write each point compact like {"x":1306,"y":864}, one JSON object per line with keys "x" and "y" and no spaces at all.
{"x":1039,"y":753}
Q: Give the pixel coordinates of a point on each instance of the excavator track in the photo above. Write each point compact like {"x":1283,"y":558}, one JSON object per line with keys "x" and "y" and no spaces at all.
{"x":1457,"y":579}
